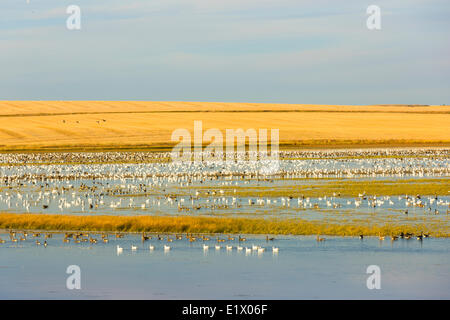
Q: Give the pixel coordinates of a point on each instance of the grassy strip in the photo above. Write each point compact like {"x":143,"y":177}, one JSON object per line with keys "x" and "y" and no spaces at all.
{"x":344,"y":187}
{"x":204,"y":225}
{"x":168,"y":146}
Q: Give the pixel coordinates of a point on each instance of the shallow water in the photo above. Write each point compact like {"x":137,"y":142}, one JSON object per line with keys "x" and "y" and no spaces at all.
{"x":177,"y":196}
{"x":303,"y":269}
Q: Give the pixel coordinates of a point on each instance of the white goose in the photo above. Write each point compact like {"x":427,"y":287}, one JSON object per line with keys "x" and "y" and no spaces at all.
{"x":119,"y":249}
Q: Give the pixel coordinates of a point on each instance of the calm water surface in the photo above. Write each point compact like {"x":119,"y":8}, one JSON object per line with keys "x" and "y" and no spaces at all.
{"x":303,"y":269}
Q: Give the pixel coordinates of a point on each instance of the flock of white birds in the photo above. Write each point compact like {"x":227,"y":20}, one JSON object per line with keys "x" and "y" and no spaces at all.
{"x":83,"y":183}
{"x":144,"y":183}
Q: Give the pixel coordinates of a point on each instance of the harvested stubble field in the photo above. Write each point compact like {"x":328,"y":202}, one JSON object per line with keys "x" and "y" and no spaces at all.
{"x":115,"y":125}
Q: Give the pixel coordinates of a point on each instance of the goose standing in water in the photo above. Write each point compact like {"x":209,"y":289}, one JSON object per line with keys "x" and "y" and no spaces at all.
{"x":319,"y":239}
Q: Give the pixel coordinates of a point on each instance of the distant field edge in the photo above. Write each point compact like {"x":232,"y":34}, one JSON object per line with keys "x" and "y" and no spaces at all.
{"x":186,"y":224}
{"x":42,"y":114}
{"x":164,"y":147}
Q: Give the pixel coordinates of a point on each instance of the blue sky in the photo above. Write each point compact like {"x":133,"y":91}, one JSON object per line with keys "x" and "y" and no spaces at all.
{"x":287,"y":51}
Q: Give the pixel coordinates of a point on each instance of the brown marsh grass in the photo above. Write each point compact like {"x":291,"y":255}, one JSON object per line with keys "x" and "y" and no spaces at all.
{"x":209,"y":225}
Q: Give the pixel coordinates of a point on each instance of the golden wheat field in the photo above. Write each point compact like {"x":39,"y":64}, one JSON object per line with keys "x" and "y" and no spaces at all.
{"x":67,"y":125}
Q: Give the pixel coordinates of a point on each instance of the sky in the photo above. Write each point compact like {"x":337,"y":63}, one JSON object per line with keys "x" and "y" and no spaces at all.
{"x":278,"y":51}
